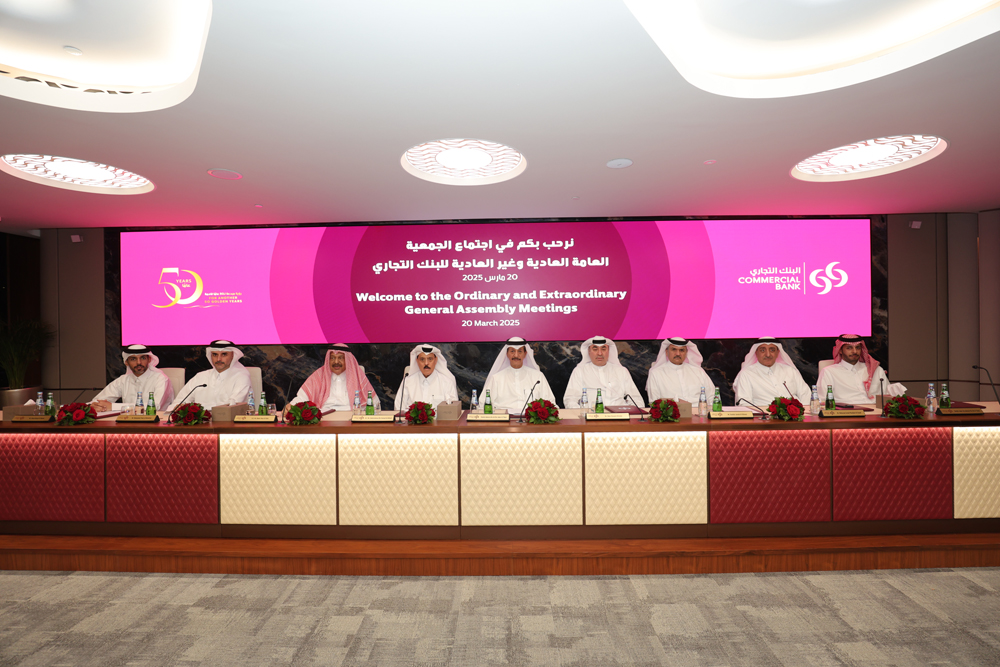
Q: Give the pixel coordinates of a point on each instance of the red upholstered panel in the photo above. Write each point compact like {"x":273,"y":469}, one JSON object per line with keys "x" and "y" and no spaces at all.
{"x":769,"y":476}
{"x":163,"y":478}
{"x":898,"y":473}
{"x":51,"y":477}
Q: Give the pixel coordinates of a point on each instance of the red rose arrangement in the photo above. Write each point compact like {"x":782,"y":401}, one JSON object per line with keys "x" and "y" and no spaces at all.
{"x":542,"y":412}
{"x":664,"y":410}
{"x":419,"y":413}
{"x":786,"y":409}
{"x":903,"y":407}
{"x":305,"y":413}
{"x":190,"y":414}
{"x":75,"y":413}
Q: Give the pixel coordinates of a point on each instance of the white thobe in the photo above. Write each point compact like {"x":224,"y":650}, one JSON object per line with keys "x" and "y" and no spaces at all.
{"x":435,"y":389}
{"x":229,"y":387}
{"x":510,"y":387}
{"x":760,"y":384}
{"x":613,"y":380}
{"x":123,"y":389}
{"x":338,"y":398}
{"x":848,"y":382}
{"x":683,"y":381}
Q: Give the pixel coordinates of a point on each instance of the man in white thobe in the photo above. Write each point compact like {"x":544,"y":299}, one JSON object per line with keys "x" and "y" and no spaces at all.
{"x":332,"y":386}
{"x":855,"y":383}
{"x":677,"y":373}
{"x":226,"y":383}
{"x":141,"y":377}
{"x":514,"y":377}
{"x":600,"y":369}
{"x":428,"y":379}
{"x":767,"y":373}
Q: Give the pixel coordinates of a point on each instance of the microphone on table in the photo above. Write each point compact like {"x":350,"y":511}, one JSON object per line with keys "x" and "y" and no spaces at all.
{"x":402,"y":402}
{"x":179,"y":404}
{"x":763,"y":413}
{"x":530,"y":394}
{"x":881,"y":391}
{"x":991,"y":381}
{"x":642,"y":415}
{"x":790,"y":394}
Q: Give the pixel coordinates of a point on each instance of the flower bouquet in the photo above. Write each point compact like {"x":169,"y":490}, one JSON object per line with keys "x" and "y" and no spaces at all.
{"x":786,"y":409}
{"x":903,"y":407}
{"x":305,"y":413}
{"x":664,"y":410}
{"x":75,"y":413}
{"x":190,"y":414}
{"x":419,"y":413}
{"x":542,"y":412}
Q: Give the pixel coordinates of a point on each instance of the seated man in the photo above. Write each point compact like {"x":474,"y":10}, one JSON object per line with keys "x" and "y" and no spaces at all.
{"x":513,"y":377}
{"x":226,"y":383}
{"x":768,"y":372}
{"x":433,"y":383}
{"x":332,"y":385}
{"x":600,"y":369}
{"x":677,"y":373}
{"x":854,"y":383}
{"x":141,"y":375}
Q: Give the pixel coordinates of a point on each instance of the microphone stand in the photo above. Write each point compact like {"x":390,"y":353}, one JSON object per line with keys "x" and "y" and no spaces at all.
{"x":402,"y":402}
{"x":181,"y":402}
{"x":764,"y":416}
{"x":642,"y":415}
{"x":991,"y":382}
{"x":525,"y":407}
{"x":881,"y":391}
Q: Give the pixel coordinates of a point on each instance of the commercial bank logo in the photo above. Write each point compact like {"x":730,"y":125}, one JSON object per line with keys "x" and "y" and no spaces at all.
{"x":173,"y":288}
{"x":825,"y":277}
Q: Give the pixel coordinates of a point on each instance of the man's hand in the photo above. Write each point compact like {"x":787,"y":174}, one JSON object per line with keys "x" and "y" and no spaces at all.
{"x":102,"y":406}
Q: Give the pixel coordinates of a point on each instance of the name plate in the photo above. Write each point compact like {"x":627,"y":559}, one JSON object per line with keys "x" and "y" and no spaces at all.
{"x":604,"y":416}
{"x":978,"y":412}
{"x":381,"y":417}
{"x":483,"y":417}
{"x":265,"y":419}
{"x":137,"y":419}
{"x":731,"y":414}
{"x":841,"y":413}
{"x":32,"y":418}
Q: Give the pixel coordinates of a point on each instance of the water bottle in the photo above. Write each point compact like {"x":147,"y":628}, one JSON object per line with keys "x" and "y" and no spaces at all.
{"x":584,"y":401}
{"x":151,"y":405}
{"x":40,"y":404}
{"x":50,"y":405}
{"x":931,"y":398}
{"x":251,"y":408}
{"x":357,"y":402}
{"x":370,"y":405}
{"x":599,"y":403}
{"x":945,"y":400}
{"x":139,"y":407}
{"x":717,"y":401}
{"x":831,"y":404}
{"x":262,"y":406}
{"x":702,"y":404}
{"x":814,"y":401}
{"x":487,"y":403}
{"x":474,"y":403}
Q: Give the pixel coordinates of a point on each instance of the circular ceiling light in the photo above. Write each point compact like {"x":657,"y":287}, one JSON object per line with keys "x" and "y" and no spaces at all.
{"x":225,"y":174}
{"x":72,"y":174}
{"x":873,"y":157}
{"x":463,"y":162}
{"x":619,"y":163}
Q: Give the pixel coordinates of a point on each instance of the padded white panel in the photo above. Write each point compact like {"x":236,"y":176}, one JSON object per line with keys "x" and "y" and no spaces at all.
{"x":522,"y":479}
{"x":399,"y":480}
{"x":278,"y":479}
{"x":646,"y":478}
{"x":977,"y":472}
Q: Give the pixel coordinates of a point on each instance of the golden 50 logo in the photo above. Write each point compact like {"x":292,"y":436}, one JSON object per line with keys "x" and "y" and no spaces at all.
{"x":173,"y":288}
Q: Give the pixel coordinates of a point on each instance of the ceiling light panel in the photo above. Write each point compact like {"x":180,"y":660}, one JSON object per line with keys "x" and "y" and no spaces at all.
{"x":463,"y":162}
{"x":73,"y":174}
{"x":869,"y":158}
{"x":781,"y":48}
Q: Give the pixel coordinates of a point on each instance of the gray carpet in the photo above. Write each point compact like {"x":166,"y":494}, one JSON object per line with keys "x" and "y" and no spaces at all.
{"x":903,"y":617}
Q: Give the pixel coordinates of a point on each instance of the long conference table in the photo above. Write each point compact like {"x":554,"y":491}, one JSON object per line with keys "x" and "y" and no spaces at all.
{"x":474,"y":480}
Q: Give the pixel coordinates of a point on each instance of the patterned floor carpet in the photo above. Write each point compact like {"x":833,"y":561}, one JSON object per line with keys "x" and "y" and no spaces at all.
{"x":903,"y":617}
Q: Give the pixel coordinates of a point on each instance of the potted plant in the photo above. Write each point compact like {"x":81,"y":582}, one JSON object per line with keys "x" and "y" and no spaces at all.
{"x":21,"y":343}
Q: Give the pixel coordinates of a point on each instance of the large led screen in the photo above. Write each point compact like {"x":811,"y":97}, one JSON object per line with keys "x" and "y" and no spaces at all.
{"x":487,"y":282}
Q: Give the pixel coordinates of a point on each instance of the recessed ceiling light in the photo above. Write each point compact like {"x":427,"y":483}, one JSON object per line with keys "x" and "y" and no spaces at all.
{"x":463,"y":162}
{"x":258,"y":206}
{"x":709,"y":162}
{"x":72,"y":50}
{"x":620,"y":163}
{"x":873,"y":157}
{"x":72,"y":174}
{"x":780,"y":48}
{"x":225,"y":174}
